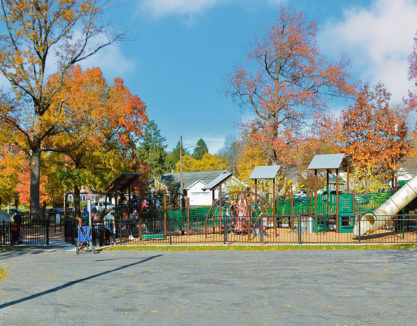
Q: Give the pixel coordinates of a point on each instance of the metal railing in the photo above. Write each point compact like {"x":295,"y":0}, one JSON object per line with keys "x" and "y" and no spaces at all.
{"x":27,"y":232}
{"x":298,"y":229}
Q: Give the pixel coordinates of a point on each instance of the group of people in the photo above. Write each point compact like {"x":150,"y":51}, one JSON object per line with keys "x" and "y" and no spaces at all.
{"x":109,"y":224}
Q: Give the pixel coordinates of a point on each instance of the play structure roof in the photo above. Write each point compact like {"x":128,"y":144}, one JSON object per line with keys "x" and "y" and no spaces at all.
{"x":265,"y":172}
{"x":220,"y":179}
{"x":122,"y":182}
{"x":331,"y":161}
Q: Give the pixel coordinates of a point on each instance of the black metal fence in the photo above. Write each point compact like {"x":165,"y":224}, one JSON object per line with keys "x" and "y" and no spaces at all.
{"x":252,"y":230}
{"x":33,"y":231}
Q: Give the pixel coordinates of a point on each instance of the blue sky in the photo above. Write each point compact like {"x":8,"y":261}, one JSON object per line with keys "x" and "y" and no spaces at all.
{"x":178,"y":53}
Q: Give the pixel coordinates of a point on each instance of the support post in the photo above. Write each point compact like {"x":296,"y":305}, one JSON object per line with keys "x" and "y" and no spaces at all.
{"x":47,"y":231}
{"x":328,"y":192}
{"x":187,"y":202}
{"x":224,"y":230}
{"x":221,"y":207}
{"x":249,"y":218}
{"x":181,"y":175}
{"x":292,"y":211}
{"x":274,"y":214}
{"x":165,"y":216}
{"x":141,"y":219}
{"x":337,"y":200}
{"x":347,"y":178}
{"x":315,"y":199}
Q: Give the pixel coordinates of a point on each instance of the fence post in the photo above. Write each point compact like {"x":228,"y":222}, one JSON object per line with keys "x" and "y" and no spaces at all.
{"x":299,"y":229}
{"x":225,"y":229}
{"x":47,"y":232}
{"x":359,"y":222}
{"x":120,"y":228}
{"x":262,"y":229}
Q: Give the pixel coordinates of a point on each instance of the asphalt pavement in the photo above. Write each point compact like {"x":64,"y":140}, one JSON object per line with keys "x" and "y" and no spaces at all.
{"x":56,"y":287}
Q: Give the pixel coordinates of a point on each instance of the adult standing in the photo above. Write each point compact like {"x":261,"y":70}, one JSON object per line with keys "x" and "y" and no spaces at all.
{"x":110,"y":225}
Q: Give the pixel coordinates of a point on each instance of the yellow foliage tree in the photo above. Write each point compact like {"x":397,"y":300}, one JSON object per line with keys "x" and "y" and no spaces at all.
{"x":33,"y":34}
{"x":208,"y":162}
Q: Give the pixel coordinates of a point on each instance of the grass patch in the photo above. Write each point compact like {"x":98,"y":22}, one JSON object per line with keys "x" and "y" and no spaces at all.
{"x":263,"y":248}
{"x":3,"y":274}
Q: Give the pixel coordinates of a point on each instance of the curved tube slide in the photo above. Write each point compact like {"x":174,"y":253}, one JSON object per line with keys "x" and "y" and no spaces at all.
{"x":369,"y":222}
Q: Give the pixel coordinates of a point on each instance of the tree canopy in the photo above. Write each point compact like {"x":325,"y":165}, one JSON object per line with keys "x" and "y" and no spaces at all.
{"x":200,"y":149}
{"x":285,"y":83}
{"x":34,"y":35}
{"x":151,"y":150}
{"x":375,"y":134}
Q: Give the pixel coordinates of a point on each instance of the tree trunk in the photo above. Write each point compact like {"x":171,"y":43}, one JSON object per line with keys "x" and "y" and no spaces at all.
{"x":77,"y":201}
{"x":35,"y":179}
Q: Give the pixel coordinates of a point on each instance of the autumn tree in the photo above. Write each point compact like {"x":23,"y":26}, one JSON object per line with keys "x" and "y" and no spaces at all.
{"x":285,"y":82}
{"x":200,"y":149}
{"x":11,"y":160}
{"x":208,"y":162}
{"x":412,"y":76}
{"x":151,"y":149}
{"x":375,"y":134}
{"x":101,"y":121}
{"x":36,"y":38}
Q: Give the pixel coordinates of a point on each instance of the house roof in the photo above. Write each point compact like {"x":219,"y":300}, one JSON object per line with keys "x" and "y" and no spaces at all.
{"x":189,"y":178}
{"x":331,"y":161}
{"x":220,"y":179}
{"x":122,"y":182}
{"x":265,"y":172}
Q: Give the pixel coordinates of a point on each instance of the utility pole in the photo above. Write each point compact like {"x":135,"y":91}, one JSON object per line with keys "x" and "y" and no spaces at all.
{"x":181,"y":175}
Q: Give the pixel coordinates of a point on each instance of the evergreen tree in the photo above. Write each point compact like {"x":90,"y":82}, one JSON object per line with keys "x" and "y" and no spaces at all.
{"x":175,"y":155}
{"x":152,"y":150}
{"x":200,"y":149}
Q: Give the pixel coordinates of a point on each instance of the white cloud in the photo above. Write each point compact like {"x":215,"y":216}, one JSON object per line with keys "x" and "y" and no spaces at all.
{"x":161,"y":8}
{"x":111,"y":61}
{"x":377,"y":40}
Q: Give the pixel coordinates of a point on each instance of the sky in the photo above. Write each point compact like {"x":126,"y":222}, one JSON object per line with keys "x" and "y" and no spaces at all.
{"x":177,"y":54}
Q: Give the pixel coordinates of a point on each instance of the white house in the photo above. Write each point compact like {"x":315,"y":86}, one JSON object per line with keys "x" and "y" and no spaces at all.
{"x":194,"y":182}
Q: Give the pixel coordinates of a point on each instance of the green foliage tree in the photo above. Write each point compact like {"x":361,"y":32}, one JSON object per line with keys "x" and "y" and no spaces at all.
{"x":200,"y":149}
{"x":175,"y":155}
{"x":152,"y":150}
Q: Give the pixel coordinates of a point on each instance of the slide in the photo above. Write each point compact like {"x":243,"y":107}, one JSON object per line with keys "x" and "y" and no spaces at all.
{"x":371,"y":222}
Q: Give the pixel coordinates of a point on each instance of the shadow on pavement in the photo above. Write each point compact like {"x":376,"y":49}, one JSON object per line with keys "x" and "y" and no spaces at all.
{"x":68,"y":284}
{"x":10,"y":252}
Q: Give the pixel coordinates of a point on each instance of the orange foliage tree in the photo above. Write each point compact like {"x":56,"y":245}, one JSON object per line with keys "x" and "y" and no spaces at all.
{"x":23,"y":186}
{"x":374,"y":133}
{"x":412,"y":75}
{"x":102,"y":121}
{"x":286,"y":82}
{"x":33,"y":35}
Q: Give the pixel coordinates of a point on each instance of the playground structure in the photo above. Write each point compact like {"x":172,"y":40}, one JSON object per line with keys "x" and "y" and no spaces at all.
{"x":253,"y":215}
{"x":369,"y":222}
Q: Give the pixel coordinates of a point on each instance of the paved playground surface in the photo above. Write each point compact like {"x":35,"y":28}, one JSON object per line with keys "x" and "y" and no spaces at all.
{"x":56,"y":287}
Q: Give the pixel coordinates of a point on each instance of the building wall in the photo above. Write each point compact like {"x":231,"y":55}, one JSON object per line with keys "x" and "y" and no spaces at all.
{"x":199,"y":197}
